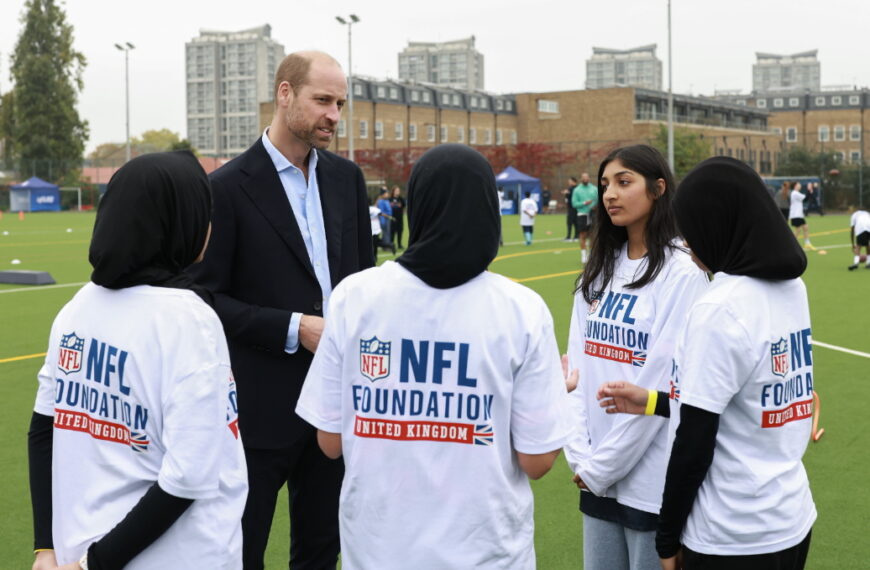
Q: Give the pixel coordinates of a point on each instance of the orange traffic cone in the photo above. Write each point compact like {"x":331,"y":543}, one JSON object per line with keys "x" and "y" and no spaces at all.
{"x":20,"y":214}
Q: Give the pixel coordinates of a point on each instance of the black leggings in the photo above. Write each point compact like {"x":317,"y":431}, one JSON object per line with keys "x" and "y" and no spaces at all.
{"x":398,"y":229}
{"x":793,"y":558}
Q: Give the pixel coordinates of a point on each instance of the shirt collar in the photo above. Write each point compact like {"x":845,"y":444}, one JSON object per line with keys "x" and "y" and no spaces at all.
{"x":280,"y":161}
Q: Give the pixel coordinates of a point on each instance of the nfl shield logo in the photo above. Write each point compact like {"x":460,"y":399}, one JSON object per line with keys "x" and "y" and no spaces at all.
{"x":69,"y":358}
{"x":374,"y":358}
{"x":779,"y":357}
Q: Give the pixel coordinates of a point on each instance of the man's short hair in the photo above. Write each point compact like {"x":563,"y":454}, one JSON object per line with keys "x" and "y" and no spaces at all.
{"x":294,"y":70}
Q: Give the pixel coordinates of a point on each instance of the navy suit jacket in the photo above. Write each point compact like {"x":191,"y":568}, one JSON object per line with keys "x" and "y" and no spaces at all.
{"x":258,"y":269}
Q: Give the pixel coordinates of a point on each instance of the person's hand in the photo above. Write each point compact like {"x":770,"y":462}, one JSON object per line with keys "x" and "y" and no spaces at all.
{"x":45,"y":560}
{"x":572,"y":378}
{"x":579,"y":482}
{"x":674,"y":562}
{"x":310,"y":329}
{"x":622,"y":397}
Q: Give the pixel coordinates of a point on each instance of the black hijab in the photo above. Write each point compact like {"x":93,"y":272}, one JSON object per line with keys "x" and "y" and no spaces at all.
{"x":453,"y":216}
{"x":732,"y":224}
{"x":152,"y":223}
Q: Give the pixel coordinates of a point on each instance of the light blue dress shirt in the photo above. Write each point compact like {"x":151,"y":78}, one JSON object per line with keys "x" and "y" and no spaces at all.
{"x":304,"y":196}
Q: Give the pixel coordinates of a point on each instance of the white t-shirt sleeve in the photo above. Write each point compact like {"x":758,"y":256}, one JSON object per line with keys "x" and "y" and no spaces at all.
{"x":194,"y":419}
{"x":539,"y":400}
{"x":578,"y":448}
{"x":45,"y":393}
{"x":716,"y":360}
{"x":630,"y":436}
{"x":319,"y":402}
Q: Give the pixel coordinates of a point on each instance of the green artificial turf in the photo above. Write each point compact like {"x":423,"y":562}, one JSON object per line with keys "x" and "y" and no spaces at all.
{"x":838,"y":465}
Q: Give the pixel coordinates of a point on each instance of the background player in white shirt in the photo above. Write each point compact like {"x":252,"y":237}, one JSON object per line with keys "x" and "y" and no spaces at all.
{"x":859,"y":232}
{"x":528,"y":211}
{"x":135,"y":457}
{"x":742,"y":384}
{"x":796,"y":213}
{"x":445,"y":401}
{"x":629,"y":308}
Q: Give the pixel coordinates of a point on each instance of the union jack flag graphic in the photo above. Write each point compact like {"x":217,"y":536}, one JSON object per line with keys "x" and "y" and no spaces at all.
{"x":139,"y":441}
{"x":638,"y":358}
{"x":483,"y":434}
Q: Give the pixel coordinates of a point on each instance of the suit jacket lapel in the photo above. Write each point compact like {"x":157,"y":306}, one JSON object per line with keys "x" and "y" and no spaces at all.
{"x":330,"y":184}
{"x":267,"y":193}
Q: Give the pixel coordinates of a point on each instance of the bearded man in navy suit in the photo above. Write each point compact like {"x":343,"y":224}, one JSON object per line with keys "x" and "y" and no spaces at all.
{"x":290,"y":222}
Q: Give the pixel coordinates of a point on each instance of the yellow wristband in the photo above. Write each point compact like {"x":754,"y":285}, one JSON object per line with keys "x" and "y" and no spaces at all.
{"x":651,"y":402}
{"x":38,"y":550}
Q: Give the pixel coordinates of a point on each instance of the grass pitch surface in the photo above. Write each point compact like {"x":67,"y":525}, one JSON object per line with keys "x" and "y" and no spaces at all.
{"x":838,"y":464}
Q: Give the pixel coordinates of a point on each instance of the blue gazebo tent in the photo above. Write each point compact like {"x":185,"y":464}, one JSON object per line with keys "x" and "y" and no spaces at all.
{"x":34,"y":195}
{"x":514,"y":184}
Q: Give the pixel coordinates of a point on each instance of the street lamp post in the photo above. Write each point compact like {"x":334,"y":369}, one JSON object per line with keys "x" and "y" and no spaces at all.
{"x":352,"y":19}
{"x":670,"y":97}
{"x":126,"y":49}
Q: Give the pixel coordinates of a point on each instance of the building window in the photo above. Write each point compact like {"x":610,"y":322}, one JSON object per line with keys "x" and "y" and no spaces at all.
{"x":820,"y":101}
{"x":741,"y":102}
{"x":363,"y":129}
{"x":824,"y":133}
{"x":854,"y":99}
{"x":761,"y":103}
{"x":840,"y":156}
{"x":487,"y":136}
{"x":499,"y":105}
{"x":445,"y":98}
{"x":430,"y":133}
{"x":460,"y":134}
{"x":546,"y":106}
{"x":427,"y":97}
{"x":394,"y":93}
{"x":473,"y":102}
{"x":508,"y":105}
{"x":379,"y":130}
{"x":791,"y":134}
{"x":382,"y":92}
{"x":839,"y":133}
{"x":855,"y":132}
{"x":472,"y":135}
{"x":855,"y":156}
{"x":778,"y":102}
{"x":357,"y":89}
{"x":794,"y":102}
{"x":398,"y":131}
{"x":456,"y":99}
{"x":836,"y":100}
{"x":776,"y":130}
{"x":484,"y":103}
{"x":513,"y":137}
{"x":498,"y":137}
{"x":415,"y":96}
{"x":412,"y":131}
{"x":444,"y":133}
{"x":341,"y":129}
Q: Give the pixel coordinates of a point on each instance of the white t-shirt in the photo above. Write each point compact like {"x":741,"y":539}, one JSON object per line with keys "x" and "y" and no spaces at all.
{"x":627,"y":334}
{"x":860,"y":221}
{"x":528,"y":210}
{"x":432,"y":393}
{"x":138,"y":381}
{"x":747,"y":355}
{"x":375,"y":217}
{"x":796,"y":205}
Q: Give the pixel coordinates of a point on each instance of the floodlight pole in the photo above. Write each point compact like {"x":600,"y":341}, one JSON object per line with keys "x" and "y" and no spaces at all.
{"x":352,"y":19}
{"x":126,"y":49}
{"x":670,"y":97}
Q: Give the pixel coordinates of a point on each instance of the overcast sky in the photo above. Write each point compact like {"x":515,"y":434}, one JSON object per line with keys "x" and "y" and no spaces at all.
{"x":528,"y":45}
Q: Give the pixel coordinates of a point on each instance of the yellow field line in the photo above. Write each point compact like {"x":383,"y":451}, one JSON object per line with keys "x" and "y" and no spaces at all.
{"x":829,"y":232}
{"x":536,"y":252}
{"x":539,"y":277}
{"x":25,"y":357}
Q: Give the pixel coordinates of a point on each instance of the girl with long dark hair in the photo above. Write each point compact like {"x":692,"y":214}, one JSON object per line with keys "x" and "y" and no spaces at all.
{"x":630,"y":304}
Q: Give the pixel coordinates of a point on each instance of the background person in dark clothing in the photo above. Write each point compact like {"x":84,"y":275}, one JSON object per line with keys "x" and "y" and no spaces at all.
{"x":397,"y":202}
{"x":571,"y":217}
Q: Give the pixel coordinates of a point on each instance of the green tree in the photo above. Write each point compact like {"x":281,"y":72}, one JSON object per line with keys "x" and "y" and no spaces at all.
{"x":49,"y":136}
{"x":7,"y":128}
{"x":155,"y":141}
{"x":689,"y":149}
{"x":801,"y":161}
